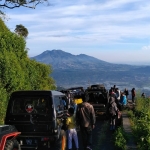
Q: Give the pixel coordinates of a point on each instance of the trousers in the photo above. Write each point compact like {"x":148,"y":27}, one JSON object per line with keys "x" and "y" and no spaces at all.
{"x":72,"y":134}
{"x":86,"y":133}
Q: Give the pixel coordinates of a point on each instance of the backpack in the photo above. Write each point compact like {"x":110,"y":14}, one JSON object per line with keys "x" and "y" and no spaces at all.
{"x":112,"y":110}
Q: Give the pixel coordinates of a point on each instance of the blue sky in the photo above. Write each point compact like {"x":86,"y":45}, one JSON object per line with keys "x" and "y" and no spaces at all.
{"x":116,"y":31}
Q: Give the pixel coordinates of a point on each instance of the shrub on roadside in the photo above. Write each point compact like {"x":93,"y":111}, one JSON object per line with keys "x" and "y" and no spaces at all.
{"x":120,"y":139}
{"x":141,"y":123}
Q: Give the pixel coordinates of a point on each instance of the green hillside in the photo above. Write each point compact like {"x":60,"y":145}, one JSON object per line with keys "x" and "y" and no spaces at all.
{"x":3,"y":27}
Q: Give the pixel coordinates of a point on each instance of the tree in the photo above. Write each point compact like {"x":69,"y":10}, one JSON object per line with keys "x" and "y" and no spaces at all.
{"x":21,"y":30}
{"x":18,"y":3}
{"x":17,"y":70}
{"x":3,"y":27}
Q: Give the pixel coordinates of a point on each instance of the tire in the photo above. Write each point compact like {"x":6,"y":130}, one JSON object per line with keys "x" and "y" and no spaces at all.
{"x":60,"y":144}
{"x":12,"y":145}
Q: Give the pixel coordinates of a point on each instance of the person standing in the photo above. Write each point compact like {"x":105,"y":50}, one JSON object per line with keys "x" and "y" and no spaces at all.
{"x":123,"y":100}
{"x":143,"y":95}
{"x":118,"y":94}
{"x":133,"y":93}
{"x":126,"y":92}
{"x":86,"y":120}
{"x":113,"y":111}
{"x":72,"y":133}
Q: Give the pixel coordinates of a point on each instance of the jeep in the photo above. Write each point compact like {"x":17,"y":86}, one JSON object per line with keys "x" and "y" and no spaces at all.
{"x":98,"y":97}
{"x":39,"y":116}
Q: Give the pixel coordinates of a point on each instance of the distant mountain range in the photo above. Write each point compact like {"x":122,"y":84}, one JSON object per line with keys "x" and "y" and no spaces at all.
{"x":82,"y":70}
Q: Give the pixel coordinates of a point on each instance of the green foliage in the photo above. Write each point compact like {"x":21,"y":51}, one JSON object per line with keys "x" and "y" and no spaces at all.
{"x":11,"y":73}
{"x":3,"y":103}
{"x":3,"y":27}
{"x":38,"y":76}
{"x":17,"y":71}
{"x":120,"y":139}
{"x":13,"y":43}
{"x":141,"y":120}
{"x":21,"y":30}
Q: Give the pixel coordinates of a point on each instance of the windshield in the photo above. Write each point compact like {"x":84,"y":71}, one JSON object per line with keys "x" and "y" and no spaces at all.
{"x":30,"y":104}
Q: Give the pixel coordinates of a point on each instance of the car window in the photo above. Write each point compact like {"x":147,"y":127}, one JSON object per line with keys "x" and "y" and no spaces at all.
{"x":60,"y":103}
{"x":29,"y":105}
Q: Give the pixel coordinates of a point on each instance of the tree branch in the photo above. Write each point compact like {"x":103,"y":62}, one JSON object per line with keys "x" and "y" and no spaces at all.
{"x":11,"y":4}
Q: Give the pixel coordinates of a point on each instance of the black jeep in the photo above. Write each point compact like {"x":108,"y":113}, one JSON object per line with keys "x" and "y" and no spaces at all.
{"x":39,"y":116}
{"x":98,"y":97}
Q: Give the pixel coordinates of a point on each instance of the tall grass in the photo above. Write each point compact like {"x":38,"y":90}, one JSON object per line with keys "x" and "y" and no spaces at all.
{"x":140,"y":119}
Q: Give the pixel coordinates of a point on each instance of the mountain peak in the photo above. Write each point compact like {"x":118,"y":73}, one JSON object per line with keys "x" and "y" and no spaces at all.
{"x":65,"y":60}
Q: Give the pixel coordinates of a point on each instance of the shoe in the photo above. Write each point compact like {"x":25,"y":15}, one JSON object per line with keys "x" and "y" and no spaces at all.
{"x":88,"y":148}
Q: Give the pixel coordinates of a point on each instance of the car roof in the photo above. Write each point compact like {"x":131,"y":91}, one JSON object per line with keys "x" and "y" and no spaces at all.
{"x":37,"y":92}
{"x":73,"y":88}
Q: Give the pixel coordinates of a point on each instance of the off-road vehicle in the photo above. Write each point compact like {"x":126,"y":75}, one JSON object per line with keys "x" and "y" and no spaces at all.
{"x":76,"y":92}
{"x":98,"y":97}
{"x":39,"y":116}
{"x":8,"y":136}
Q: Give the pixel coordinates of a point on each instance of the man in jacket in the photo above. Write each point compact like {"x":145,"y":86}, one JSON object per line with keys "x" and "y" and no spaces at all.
{"x":86,"y":120}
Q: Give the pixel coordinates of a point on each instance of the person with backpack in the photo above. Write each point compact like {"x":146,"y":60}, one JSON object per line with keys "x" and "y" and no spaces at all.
{"x":113,"y":111}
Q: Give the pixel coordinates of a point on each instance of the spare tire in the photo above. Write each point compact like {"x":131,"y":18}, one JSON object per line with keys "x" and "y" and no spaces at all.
{"x":12,"y":145}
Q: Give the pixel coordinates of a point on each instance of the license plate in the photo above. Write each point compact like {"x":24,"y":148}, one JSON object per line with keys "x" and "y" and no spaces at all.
{"x":31,"y":141}
{"x":100,"y":113}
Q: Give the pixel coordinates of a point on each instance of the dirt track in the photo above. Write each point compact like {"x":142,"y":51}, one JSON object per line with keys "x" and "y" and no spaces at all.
{"x":102,"y":136}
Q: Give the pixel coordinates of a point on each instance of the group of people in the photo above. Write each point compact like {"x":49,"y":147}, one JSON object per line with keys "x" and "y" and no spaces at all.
{"x":84,"y":117}
{"x":117,"y":101}
{"x":121,"y":96}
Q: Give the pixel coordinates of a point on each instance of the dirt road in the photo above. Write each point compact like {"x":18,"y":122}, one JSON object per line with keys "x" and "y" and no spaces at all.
{"x":102,"y":136}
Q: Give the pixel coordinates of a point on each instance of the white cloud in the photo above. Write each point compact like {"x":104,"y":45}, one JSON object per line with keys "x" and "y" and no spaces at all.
{"x":95,"y":25}
{"x":146,"y":48}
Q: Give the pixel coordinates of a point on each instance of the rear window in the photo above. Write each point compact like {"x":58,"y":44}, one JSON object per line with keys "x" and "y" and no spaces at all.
{"x":97,"y":97}
{"x":31,"y":104}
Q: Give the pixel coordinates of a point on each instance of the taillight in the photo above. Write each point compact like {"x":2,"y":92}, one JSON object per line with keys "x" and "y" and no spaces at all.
{"x":45,"y":139}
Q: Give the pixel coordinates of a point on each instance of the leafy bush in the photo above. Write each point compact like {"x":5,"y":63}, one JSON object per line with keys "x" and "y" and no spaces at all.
{"x":141,"y":127}
{"x":3,"y":104}
{"x":17,"y":71}
{"x":120,"y":139}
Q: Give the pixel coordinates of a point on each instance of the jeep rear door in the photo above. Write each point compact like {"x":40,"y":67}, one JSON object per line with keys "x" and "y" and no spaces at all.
{"x":31,"y":114}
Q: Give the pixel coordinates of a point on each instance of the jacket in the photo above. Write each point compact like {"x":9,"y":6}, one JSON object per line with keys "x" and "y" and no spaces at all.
{"x":85,"y":115}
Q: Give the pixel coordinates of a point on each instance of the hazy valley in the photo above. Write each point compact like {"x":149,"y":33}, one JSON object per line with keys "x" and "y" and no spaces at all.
{"x":83,"y":70}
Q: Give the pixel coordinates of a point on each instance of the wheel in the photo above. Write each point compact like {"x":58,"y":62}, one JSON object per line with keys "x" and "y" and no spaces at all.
{"x":12,"y":145}
{"x":60,"y":144}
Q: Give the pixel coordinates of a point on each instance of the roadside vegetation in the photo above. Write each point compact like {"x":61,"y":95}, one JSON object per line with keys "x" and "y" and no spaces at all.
{"x":140,"y":120}
{"x":120,"y":139}
{"x":17,"y":70}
